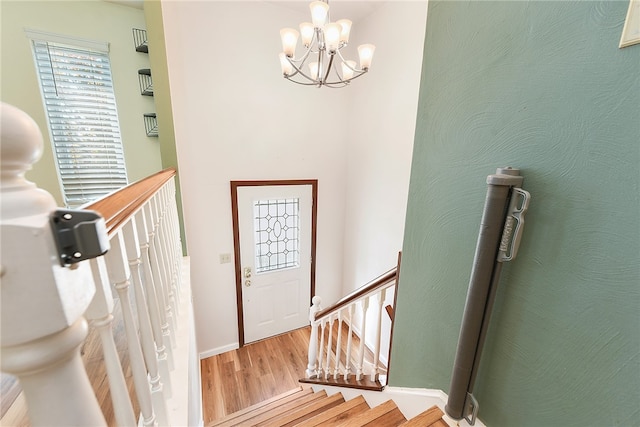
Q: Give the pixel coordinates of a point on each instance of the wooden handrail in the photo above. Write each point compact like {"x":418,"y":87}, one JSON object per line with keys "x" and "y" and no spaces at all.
{"x":372,"y":286}
{"x":117,"y":207}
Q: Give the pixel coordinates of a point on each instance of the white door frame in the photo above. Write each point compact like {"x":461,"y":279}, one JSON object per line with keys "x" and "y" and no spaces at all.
{"x":236,"y":237}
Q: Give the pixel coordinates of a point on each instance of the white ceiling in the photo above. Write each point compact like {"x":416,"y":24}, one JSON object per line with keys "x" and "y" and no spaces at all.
{"x":354,"y":10}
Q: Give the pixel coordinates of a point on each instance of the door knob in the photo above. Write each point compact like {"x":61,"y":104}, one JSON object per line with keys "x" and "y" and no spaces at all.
{"x":247,"y":283}
{"x":247,"y":272}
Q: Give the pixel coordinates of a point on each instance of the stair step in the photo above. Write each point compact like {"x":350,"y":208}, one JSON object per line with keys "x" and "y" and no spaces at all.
{"x":386,"y":414}
{"x":299,"y":397}
{"x":338,"y":414}
{"x":428,"y":418}
{"x":302,"y":407}
{"x":296,"y":416}
{"x":364,"y":384}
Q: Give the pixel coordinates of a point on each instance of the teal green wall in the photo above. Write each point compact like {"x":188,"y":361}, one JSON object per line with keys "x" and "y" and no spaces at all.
{"x":540,"y":86}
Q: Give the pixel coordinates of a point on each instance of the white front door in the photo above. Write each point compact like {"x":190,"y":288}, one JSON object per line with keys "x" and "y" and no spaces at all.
{"x":274,"y":224}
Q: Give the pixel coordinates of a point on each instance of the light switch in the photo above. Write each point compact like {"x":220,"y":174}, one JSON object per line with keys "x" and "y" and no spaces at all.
{"x":225,"y":258}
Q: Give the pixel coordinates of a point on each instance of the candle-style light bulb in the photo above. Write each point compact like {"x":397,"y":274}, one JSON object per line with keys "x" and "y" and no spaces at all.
{"x":287,"y":68}
{"x":365,"y":52}
{"x":306,"y":33}
{"x":315,"y":70}
{"x":289,"y":40}
{"x":332,"y":33}
{"x":319,"y":12}
{"x":346,"y":30}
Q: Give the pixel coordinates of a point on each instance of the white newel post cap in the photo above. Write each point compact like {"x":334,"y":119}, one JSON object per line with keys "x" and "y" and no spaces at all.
{"x":38,"y":296}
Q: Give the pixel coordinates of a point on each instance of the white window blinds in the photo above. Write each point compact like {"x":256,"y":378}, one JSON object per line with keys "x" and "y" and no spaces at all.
{"x":80,"y":104}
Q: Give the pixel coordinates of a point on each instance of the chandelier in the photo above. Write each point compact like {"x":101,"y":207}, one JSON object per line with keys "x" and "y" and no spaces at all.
{"x":322,"y":42}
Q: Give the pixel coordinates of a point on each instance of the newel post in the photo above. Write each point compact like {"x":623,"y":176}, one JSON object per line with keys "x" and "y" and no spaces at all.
{"x":42,"y":303}
{"x":313,"y":340}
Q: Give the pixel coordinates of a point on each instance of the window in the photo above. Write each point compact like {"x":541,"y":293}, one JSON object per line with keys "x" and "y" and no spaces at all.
{"x":80,"y":105}
{"x":277,"y":234}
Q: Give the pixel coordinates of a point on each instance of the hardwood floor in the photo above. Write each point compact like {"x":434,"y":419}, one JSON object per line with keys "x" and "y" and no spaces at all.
{"x":231,"y":381}
{"x":240,"y":378}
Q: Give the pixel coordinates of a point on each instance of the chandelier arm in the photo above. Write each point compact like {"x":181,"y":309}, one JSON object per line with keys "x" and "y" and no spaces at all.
{"x":302,"y":73}
{"x":357,"y":70}
{"x":300,"y":83}
{"x":318,"y":77}
{"x":347,"y":81}
{"x":322,"y":76}
{"x":326,"y":76}
{"x":309,"y":50}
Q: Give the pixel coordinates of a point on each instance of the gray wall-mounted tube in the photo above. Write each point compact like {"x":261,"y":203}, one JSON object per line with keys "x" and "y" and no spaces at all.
{"x":484,"y":276}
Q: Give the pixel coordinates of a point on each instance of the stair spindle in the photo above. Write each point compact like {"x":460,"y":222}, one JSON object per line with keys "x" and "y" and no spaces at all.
{"x":376,"y":352}
{"x":347,"y":367}
{"x":120,"y":274}
{"x":100,"y":315}
{"x":336,"y":371}
{"x":313,"y":339}
{"x":321,"y":352}
{"x":157,"y":280}
{"x":363,"y":333}
{"x":130,"y":236}
{"x":152,"y":303}
{"x":327,"y":371}
{"x":160,"y":241}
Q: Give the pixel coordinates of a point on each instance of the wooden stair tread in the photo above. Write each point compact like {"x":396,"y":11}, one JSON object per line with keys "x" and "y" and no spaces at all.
{"x":426,"y":418}
{"x":294,"y":417}
{"x":383,"y":415}
{"x":298,"y":397}
{"x":364,"y":384}
{"x":339,"y":413}
{"x":255,"y":419}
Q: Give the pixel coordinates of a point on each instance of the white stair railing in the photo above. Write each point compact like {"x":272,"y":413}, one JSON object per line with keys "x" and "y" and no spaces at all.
{"x":44,"y":304}
{"x":325,"y":359}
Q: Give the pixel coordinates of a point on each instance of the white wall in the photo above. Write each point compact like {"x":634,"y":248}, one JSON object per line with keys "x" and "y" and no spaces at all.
{"x":381,"y":134}
{"x":236,"y":118}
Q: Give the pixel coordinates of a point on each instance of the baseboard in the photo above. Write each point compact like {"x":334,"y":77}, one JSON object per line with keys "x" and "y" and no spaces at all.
{"x":219,"y":350}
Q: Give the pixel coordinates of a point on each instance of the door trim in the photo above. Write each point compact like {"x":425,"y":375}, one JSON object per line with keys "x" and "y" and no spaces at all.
{"x":236,"y":237}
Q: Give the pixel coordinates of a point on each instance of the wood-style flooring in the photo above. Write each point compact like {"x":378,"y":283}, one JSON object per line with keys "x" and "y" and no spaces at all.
{"x":231,"y":381}
{"x":13,"y":404}
{"x":237,"y":379}
{"x":240,"y":378}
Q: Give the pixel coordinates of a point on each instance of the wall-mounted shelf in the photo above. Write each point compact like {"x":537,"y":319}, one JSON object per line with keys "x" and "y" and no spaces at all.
{"x":145,"y":81}
{"x":146,"y":84}
{"x":140,"y":40}
{"x":151,"y":124}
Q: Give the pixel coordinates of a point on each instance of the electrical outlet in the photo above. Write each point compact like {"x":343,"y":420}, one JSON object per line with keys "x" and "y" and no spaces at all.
{"x":225,"y":258}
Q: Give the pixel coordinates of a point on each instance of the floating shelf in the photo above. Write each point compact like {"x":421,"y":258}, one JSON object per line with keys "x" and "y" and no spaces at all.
{"x":146,"y":84}
{"x":140,"y":40}
{"x":151,"y":124}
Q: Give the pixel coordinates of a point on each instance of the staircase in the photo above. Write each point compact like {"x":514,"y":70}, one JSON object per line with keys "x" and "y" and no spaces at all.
{"x":304,"y":407}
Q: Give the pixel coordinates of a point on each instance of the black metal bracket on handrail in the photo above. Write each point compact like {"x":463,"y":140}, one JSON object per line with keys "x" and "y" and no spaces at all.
{"x":500,"y":233}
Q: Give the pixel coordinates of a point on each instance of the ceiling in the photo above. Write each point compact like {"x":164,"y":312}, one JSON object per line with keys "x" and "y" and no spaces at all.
{"x":354,"y":10}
